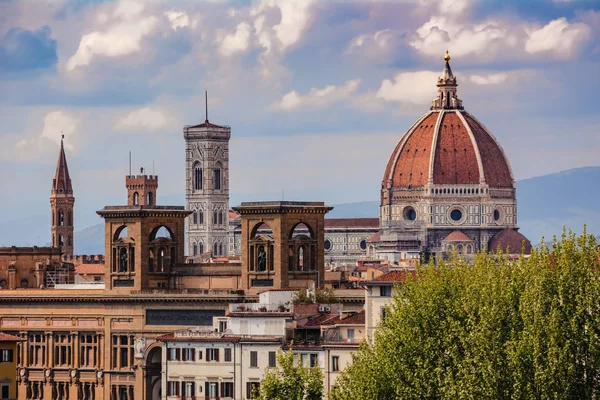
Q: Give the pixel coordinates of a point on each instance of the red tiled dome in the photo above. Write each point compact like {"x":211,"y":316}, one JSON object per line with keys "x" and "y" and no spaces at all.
{"x":510,"y":241}
{"x":447,"y":147}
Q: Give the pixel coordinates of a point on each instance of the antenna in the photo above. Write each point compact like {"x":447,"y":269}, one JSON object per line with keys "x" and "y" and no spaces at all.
{"x":152,"y":167}
{"x":206,"y":103}
{"x":129,"y":162}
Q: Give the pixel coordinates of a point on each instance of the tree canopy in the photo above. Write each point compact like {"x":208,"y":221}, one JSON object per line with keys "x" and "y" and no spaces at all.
{"x":291,"y":380}
{"x":493,"y":329}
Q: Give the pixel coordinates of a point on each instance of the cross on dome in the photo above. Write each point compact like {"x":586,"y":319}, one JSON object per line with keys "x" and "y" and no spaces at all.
{"x":447,"y":98}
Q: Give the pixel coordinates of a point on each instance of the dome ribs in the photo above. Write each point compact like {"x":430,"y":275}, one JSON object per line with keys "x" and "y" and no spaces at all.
{"x":412,"y":165}
{"x":495,"y":166}
{"x":455,"y":159}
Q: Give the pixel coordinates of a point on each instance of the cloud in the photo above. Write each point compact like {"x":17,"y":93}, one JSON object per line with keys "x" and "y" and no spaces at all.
{"x":491,"y":79}
{"x":55,"y":124}
{"x":416,"y":87}
{"x":23,"y":50}
{"x":142,"y":119}
{"x":119,"y":39}
{"x":295,"y":17}
{"x":558,"y":37}
{"x":237,"y":41}
{"x":495,"y":36}
{"x":178,"y":19}
{"x":317,"y":97}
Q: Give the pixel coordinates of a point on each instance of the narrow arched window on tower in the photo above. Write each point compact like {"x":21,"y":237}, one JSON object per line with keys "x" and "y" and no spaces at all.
{"x":215,"y":249}
{"x":195,"y":247}
{"x":70,"y":241}
{"x":217,"y":183}
{"x":201,"y":248}
{"x":197,"y":178}
{"x":200,"y":217}
{"x":136,"y":199}
{"x":61,"y":240}
{"x":150,"y":199}
{"x":215,"y":218}
{"x":220,"y":217}
{"x":61,"y":218}
{"x":195,"y":217}
{"x":70,"y":219}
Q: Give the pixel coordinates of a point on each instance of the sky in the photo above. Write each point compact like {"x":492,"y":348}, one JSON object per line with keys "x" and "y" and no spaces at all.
{"x":317,"y":92}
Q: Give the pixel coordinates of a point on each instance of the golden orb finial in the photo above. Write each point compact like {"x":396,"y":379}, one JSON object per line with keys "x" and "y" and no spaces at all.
{"x":447,"y":56}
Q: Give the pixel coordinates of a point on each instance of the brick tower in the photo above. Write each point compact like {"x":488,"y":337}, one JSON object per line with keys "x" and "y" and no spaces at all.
{"x":207,"y":188}
{"x":62,"y":202}
{"x":141,"y":189}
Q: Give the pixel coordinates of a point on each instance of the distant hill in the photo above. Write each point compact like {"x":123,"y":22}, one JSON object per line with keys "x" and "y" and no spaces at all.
{"x":546,"y":204}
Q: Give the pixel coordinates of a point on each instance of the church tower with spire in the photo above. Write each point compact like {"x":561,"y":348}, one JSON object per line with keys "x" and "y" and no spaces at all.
{"x":62,"y":202}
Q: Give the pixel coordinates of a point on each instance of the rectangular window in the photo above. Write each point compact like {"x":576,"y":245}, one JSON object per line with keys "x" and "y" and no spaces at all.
{"x":227,"y":390}
{"x":37,"y":349}
{"x":351,"y":335}
{"x":228,"y":354}
{"x":252,"y":388}
{"x":212,"y":354}
{"x":62,"y":350}
{"x":385,"y":291}
{"x":173,"y":388}
{"x":272,"y":359}
{"x":6,"y":355}
{"x":211,"y":390}
{"x":335,"y":363}
{"x":5,"y":391}
{"x":88,"y":350}
{"x":188,"y":389}
{"x":188,"y":354}
{"x":222,"y":326}
{"x":122,"y":351}
{"x":314,"y":360}
{"x":254,"y":359}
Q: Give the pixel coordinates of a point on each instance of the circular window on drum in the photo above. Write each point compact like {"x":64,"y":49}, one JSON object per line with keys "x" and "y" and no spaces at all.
{"x":409,"y":213}
{"x":363,"y":244}
{"x":456,"y":215}
{"x":498,"y":215}
{"x":327,"y":244}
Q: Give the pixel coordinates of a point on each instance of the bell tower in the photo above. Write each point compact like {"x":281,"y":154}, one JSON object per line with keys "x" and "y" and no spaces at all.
{"x":62,"y":202}
{"x":207,"y":188}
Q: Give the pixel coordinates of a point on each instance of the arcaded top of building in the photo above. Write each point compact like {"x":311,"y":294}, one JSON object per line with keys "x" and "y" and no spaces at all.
{"x":447,"y":146}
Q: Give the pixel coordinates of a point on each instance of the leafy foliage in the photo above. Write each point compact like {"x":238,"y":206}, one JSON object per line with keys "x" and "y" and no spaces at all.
{"x":495,"y":329}
{"x":291,"y":381}
{"x":321,"y":296}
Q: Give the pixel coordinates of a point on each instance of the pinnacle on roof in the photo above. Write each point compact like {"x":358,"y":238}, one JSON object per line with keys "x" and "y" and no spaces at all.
{"x":62,"y":180}
{"x":447,"y":98}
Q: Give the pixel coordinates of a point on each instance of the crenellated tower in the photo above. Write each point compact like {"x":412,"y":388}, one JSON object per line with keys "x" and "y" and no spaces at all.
{"x":62,"y":202}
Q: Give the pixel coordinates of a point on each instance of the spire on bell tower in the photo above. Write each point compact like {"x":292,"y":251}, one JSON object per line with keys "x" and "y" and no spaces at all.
{"x":447,"y":98}
{"x":62,"y":203}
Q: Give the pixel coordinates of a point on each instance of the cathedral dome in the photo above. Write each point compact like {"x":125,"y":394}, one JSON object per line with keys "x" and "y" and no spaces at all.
{"x":447,"y":146}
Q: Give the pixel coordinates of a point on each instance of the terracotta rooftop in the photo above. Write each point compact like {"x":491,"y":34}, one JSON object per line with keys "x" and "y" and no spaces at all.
{"x":89,"y":269}
{"x":510,"y":241}
{"x":355,"y":319}
{"x":375,"y":238}
{"x":351,"y":222}
{"x":170,"y":337}
{"x":5,"y":337}
{"x":457,"y":236}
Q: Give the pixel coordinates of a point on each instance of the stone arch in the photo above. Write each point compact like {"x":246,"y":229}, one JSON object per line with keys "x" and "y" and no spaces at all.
{"x":301,"y":228}
{"x":158,"y":231}
{"x":263,"y":227}
{"x":153,"y":360}
{"x":120,"y":233}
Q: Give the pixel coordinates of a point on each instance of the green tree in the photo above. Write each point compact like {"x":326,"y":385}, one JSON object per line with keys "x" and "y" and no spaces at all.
{"x":290,"y":381}
{"x":493,"y":329}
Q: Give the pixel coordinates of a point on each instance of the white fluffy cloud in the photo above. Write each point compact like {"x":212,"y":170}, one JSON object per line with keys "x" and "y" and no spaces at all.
{"x":450,"y":29}
{"x":178,"y":19}
{"x":294,"y":19}
{"x":145,"y":118}
{"x":236,"y":42}
{"x":416,"y":87}
{"x":55,"y":124}
{"x":317,"y":97}
{"x":490,"y":79}
{"x":120,"y":38}
{"x":557,"y":37}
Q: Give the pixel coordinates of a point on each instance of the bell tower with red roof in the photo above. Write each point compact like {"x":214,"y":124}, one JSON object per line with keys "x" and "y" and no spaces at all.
{"x":62,"y":202}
